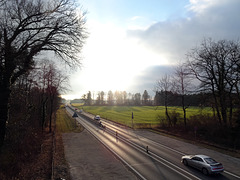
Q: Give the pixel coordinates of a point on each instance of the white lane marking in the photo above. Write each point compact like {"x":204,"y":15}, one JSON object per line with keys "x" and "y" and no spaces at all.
{"x":141,"y":137}
{"x":134,"y":170}
{"x":134,"y":145}
{"x":231,"y":174}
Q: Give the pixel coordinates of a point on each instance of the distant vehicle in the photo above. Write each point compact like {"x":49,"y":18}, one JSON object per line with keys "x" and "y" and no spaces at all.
{"x":101,"y":125}
{"x":204,"y":163}
{"x":97,"y":117}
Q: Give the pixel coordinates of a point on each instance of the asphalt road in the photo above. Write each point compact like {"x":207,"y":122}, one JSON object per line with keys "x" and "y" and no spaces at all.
{"x":148,"y":157}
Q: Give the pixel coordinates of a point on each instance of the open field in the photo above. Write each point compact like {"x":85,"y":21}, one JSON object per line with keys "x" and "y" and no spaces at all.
{"x":143,"y":115}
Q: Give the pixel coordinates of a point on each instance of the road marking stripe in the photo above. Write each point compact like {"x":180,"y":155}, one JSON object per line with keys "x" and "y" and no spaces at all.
{"x":134,"y":170}
{"x":157,"y":143}
{"x":136,"y":146}
{"x":234,"y":175}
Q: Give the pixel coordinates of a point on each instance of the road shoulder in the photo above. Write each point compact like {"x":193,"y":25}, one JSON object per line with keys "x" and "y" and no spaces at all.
{"x":89,"y":159}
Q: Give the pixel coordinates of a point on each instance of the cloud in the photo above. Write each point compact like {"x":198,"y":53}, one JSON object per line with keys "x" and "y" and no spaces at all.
{"x":114,"y":54}
{"x":206,"y":18}
{"x":135,"y":18}
{"x":148,"y":78}
{"x":174,"y":38}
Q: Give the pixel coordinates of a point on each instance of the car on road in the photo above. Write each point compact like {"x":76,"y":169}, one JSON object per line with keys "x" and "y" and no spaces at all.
{"x":204,"y":163}
{"x":97,"y":117}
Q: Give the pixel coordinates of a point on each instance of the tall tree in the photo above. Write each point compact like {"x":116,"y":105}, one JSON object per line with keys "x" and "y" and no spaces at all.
{"x":28,"y":27}
{"x":124,"y":97}
{"x":145,"y":97}
{"x":215,"y":64}
{"x":165,"y":85}
{"x":89,"y":98}
{"x":102,"y":97}
{"x":119,"y":97}
{"x":182,"y":85}
{"x":137,"y":99}
{"x":55,"y":84}
{"x":110,"y":98}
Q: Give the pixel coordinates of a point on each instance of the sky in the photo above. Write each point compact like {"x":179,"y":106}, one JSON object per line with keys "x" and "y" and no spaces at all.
{"x":133,"y":43}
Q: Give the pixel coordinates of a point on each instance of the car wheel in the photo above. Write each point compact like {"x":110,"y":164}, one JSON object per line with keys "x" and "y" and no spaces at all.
{"x":205,"y":171}
{"x":185,"y":162}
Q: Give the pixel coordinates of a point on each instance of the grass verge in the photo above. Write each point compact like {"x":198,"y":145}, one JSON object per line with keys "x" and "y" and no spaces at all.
{"x":65,"y":123}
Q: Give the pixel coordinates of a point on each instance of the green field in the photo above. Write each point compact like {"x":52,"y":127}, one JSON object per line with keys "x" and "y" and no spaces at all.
{"x":143,"y":115}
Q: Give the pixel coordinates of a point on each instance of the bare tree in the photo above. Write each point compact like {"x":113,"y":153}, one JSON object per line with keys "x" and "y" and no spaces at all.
{"x":28,"y":27}
{"x":145,"y":97}
{"x":124,"y":97}
{"x":55,"y":84}
{"x":215,"y":64}
{"x":110,"y":98}
{"x":137,"y":99}
{"x":102,"y":97}
{"x":118,"y":97}
{"x":165,"y":85}
{"x":182,"y":85}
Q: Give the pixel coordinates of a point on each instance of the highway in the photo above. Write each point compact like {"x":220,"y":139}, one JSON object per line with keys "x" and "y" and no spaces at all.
{"x":146,"y":158}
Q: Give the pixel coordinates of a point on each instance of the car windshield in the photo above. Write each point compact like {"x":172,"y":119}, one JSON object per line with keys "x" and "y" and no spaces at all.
{"x":210,"y":161}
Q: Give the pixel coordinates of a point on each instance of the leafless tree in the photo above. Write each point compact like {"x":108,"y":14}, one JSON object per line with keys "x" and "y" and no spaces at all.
{"x":118,"y":97}
{"x":102,"y":97}
{"x":215,"y":65}
{"x":145,"y":97}
{"x":28,"y":27}
{"x":165,"y":85}
{"x":182,"y":86}
{"x":110,"y":98}
{"x":55,"y":84}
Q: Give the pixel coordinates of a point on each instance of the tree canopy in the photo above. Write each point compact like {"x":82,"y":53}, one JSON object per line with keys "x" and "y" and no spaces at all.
{"x":28,"y":27}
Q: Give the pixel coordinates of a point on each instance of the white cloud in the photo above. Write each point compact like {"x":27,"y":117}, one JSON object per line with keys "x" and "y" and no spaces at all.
{"x":114,"y":56}
{"x":111,"y":60}
{"x":207,"y":18}
{"x":135,"y":18}
{"x":198,"y":6}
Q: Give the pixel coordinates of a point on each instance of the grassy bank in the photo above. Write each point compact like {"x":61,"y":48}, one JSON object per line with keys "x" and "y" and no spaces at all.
{"x":65,"y":123}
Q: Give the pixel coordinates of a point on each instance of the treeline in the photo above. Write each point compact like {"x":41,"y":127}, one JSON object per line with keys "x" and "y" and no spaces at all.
{"x":33,"y":104}
{"x":35,"y":97}
{"x":30,"y":85}
{"x":122,"y":98}
{"x":25,"y":37}
{"x":118,"y":98}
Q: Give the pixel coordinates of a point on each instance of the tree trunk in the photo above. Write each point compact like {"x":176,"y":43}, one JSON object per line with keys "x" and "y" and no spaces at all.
{"x":223,"y":108}
{"x":184,"y":112}
{"x":230,"y":107}
{"x":4,"y":110}
{"x":217,"y":108}
{"x":43,"y":112}
{"x":166,"y":109}
{"x":51,"y":112}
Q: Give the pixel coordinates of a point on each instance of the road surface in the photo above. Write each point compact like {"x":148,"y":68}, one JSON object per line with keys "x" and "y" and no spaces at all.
{"x":147,"y":158}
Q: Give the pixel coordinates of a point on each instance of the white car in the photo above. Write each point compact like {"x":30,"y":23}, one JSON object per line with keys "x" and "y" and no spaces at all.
{"x":97,"y":117}
{"x":204,"y":163}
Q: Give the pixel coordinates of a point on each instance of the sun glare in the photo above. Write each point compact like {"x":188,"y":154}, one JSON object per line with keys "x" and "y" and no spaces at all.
{"x":112,"y":61}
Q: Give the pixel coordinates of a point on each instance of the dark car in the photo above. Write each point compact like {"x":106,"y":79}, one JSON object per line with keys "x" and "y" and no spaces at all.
{"x":204,"y":163}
